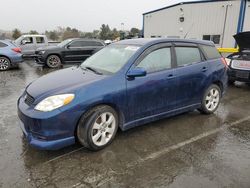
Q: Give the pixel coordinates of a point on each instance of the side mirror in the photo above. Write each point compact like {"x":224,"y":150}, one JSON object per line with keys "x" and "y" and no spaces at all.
{"x":68,"y":46}
{"x":136,"y":72}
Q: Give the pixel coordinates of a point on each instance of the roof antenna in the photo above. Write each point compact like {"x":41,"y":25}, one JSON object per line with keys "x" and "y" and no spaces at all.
{"x":189,"y":30}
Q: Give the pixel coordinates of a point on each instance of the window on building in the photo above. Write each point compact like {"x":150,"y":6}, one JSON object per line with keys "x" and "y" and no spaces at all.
{"x":187,"y":55}
{"x":157,"y":60}
{"x":214,"y":38}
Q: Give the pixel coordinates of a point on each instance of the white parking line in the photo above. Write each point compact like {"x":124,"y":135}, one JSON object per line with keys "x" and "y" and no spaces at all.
{"x":157,"y":154}
{"x":61,"y":156}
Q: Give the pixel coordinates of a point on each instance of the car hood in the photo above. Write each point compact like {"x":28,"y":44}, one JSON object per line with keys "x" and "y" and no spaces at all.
{"x":48,"y":48}
{"x":243,"y":40}
{"x":66,"y":80}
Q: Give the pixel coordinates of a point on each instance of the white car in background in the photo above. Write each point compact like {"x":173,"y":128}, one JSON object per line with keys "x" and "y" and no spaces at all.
{"x":239,"y":62}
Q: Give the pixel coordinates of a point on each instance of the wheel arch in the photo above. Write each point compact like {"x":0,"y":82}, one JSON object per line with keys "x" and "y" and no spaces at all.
{"x":219,"y":84}
{"x":6,"y":57}
{"x":89,"y":109}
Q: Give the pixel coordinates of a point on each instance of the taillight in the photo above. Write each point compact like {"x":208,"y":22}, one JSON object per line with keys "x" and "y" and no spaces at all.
{"x":223,"y":60}
{"x":17,"y":50}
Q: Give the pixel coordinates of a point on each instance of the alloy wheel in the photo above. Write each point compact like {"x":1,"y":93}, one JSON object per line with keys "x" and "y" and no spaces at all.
{"x":103,"y":129}
{"x":212,"y":99}
{"x":4,"y":63}
{"x":53,"y":61}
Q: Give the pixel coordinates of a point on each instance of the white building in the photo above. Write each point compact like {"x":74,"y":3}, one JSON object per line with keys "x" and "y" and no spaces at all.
{"x":209,"y":20}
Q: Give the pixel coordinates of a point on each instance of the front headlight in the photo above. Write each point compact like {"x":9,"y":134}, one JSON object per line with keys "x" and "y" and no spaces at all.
{"x":42,"y":52}
{"x":54,"y":102}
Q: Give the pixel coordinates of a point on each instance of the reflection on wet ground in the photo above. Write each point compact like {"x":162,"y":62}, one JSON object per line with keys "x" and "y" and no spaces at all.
{"x":189,"y":150}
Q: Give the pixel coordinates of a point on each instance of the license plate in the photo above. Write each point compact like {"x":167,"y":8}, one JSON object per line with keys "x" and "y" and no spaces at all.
{"x":241,"y":64}
{"x":242,"y":74}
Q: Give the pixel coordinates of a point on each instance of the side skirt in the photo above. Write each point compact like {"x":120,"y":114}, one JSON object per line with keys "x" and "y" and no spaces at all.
{"x":156,"y":117}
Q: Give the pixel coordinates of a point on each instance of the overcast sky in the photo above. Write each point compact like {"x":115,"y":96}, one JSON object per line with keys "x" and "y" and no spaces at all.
{"x":85,"y":15}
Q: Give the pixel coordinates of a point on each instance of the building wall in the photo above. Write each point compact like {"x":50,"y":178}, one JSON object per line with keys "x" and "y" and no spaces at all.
{"x":200,"y":19}
{"x":247,"y":18}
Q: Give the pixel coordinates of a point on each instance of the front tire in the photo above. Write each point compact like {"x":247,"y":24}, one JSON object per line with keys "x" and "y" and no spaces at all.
{"x":211,"y":100}
{"x":53,"y":61}
{"x":97,"y":128}
{"x":4,"y":64}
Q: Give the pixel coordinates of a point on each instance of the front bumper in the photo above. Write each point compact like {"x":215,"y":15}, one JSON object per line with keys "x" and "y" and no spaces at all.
{"x":39,"y":59}
{"x":238,"y":75}
{"x":43,"y":144}
{"x":47,"y":130}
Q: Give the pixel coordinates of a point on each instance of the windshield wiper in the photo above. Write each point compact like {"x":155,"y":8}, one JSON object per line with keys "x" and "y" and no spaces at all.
{"x":93,"y":70}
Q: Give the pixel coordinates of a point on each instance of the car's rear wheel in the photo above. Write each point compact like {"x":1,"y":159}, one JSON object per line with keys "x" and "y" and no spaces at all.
{"x":211,"y":100}
{"x":4,"y":64}
{"x":98,"y":128}
{"x":53,"y":61}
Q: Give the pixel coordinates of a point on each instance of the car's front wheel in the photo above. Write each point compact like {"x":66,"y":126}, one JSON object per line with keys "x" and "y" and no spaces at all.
{"x":211,"y":100}
{"x":4,"y":64}
{"x":53,"y":61}
{"x":98,"y":128}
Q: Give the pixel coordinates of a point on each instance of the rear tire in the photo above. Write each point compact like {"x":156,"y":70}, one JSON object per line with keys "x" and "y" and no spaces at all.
{"x":5,"y":64}
{"x":211,"y":100}
{"x":97,"y":128}
{"x":53,"y":61}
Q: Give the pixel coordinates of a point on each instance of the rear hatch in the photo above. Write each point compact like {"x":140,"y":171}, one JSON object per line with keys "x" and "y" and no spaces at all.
{"x":241,"y":60}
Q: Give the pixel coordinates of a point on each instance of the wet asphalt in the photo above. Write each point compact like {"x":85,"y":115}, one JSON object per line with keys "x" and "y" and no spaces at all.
{"x":190,"y":150}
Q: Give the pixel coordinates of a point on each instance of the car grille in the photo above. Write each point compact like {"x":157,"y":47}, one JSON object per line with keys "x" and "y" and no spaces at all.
{"x":28,"y":99}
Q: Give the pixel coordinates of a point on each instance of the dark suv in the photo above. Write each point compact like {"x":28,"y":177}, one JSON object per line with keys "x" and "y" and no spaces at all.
{"x":239,"y":64}
{"x":69,"y":51}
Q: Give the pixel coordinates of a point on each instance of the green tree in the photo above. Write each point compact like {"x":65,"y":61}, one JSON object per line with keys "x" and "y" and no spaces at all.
{"x":70,"y":33}
{"x":16,"y":33}
{"x":105,"y":32}
{"x":134,"y":32}
{"x":53,"y":35}
{"x":33,"y":32}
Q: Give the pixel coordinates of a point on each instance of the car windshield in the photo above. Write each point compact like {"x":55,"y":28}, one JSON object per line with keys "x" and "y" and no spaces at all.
{"x":110,"y":59}
{"x":63,"y":43}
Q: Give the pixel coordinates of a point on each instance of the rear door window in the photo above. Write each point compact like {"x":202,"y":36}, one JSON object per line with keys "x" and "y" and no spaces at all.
{"x":40,"y":40}
{"x":157,"y":60}
{"x":187,"y":55}
{"x":211,"y":52}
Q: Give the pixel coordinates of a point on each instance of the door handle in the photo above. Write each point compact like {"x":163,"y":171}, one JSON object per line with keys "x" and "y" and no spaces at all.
{"x":204,"y":69}
{"x":170,"y":76}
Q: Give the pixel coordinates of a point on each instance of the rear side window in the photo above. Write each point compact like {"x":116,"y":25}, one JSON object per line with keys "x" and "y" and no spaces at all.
{"x":2,"y":45}
{"x":187,"y":55}
{"x":211,"y":52}
{"x":40,"y":40}
{"x":157,"y":60}
{"x":91,"y":43}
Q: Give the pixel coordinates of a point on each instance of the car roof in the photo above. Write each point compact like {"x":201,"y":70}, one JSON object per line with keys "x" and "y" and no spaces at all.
{"x":144,"y":41}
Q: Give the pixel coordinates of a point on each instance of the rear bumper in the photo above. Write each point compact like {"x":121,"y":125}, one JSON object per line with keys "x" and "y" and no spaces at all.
{"x":238,"y":75}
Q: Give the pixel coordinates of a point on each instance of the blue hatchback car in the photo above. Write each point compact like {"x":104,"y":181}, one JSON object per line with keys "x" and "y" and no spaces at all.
{"x":126,"y":84}
{"x":10,"y":55}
